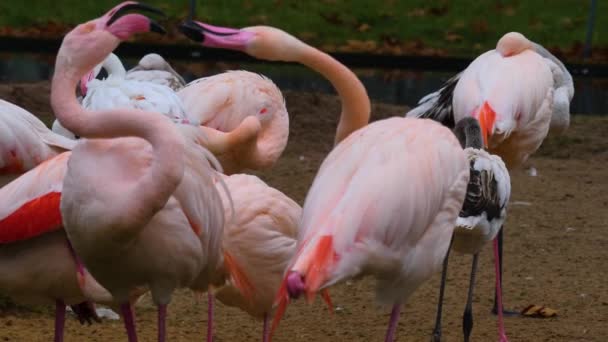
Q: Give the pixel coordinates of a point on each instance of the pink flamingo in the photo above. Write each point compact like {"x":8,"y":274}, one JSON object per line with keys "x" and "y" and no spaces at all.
{"x":31,"y":231}
{"x":25,"y":142}
{"x":269,"y":43}
{"x":384,"y":203}
{"x":223,"y":101}
{"x":129,"y":228}
{"x":515,"y":112}
{"x":262,"y":240}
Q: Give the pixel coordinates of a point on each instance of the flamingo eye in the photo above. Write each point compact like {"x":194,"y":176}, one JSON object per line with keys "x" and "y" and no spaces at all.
{"x":263,"y":111}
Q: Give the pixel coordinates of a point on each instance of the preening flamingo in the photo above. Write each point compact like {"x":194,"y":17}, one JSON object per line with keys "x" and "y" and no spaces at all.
{"x":261,"y":239}
{"x":223,"y":101}
{"x":481,"y":218}
{"x":516,"y":91}
{"x":272,"y":44}
{"x":129,"y":228}
{"x":384,"y":203}
{"x":25,"y":142}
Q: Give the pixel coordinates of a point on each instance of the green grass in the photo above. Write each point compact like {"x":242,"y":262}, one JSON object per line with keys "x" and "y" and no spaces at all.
{"x":459,"y":27}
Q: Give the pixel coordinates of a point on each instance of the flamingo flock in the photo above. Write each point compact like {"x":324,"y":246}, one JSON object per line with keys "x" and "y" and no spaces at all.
{"x":141,"y":185}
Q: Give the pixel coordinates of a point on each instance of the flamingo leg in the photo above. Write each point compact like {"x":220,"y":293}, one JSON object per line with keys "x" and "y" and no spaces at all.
{"x":467,"y":316}
{"x":501,"y":327}
{"x":392,"y":325}
{"x":129,"y":320}
{"x":162,"y":318}
{"x":437,"y":331}
{"x":210,"y":317}
{"x":265,"y":332}
{"x":59,"y":320}
{"x":494,"y":308}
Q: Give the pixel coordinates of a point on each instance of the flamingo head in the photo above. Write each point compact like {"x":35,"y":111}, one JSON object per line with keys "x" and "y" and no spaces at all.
{"x":512,"y":44}
{"x":89,"y":43}
{"x":262,"y":42}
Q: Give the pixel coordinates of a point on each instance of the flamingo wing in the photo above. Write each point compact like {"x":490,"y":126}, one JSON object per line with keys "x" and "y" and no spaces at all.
{"x":25,"y":141}
{"x":438,"y":105}
{"x":29,"y":206}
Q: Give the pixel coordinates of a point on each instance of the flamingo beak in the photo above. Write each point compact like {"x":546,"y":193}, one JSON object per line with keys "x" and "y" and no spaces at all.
{"x":487,"y":118}
{"x":216,"y":36}
{"x":123,"y":24}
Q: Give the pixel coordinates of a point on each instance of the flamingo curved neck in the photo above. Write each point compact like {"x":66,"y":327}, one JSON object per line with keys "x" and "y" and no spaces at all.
{"x":149,"y":194}
{"x":356,"y":105}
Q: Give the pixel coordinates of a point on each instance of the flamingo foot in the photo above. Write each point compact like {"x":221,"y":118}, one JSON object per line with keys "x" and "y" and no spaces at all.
{"x":86,"y":313}
{"x":59,"y":320}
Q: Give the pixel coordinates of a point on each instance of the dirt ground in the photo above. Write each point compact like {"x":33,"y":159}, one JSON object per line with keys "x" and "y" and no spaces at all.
{"x":556,"y":246}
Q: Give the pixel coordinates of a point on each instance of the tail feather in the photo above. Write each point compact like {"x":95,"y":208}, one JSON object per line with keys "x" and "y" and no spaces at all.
{"x":239,"y":277}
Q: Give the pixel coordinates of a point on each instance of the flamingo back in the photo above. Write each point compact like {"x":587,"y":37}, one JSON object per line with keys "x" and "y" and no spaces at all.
{"x":384,"y":202}
{"x":118,"y":92}
{"x":261,"y":238}
{"x":25,"y":141}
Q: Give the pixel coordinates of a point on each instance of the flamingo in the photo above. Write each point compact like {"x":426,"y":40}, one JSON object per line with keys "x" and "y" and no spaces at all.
{"x":31,"y":231}
{"x":482,"y":216}
{"x":384,"y":203}
{"x":269,"y":43}
{"x":223,"y":101}
{"x":515,"y":112}
{"x":154,"y":68}
{"x":25,"y":142}
{"x":129,"y":228}
{"x":262,"y":240}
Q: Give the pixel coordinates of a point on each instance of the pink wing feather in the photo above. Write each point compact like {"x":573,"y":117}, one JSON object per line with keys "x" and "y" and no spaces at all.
{"x":29,"y":206}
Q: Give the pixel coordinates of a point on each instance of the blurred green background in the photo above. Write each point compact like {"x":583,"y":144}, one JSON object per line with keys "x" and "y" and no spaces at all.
{"x":456,"y":28}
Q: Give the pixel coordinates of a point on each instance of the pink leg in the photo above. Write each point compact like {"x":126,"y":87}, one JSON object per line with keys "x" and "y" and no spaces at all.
{"x":265,"y":330}
{"x":59,"y":320}
{"x":210,"y":317}
{"x":501,"y":327}
{"x":162,"y":318}
{"x":129,"y":319}
{"x":392,"y":325}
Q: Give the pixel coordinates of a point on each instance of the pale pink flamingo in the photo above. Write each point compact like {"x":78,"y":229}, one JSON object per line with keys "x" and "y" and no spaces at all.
{"x":384,"y":203}
{"x":481,"y":217}
{"x":261,"y":238}
{"x":31,"y":231}
{"x":517,"y":92}
{"x":138,"y":200}
{"x":223,"y":101}
{"x":25,"y":142}
{"x":272,"y":44}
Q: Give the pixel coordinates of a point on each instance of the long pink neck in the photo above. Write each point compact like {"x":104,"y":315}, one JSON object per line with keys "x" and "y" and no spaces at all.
{"x":356,"y":105}
{"x":166,"y":171}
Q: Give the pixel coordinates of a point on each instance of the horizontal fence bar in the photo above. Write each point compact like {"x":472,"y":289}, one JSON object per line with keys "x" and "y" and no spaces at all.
{"x":354,"y":60}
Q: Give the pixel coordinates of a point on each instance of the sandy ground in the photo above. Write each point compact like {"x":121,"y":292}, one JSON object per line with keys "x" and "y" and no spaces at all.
{"x":556,"y":247}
